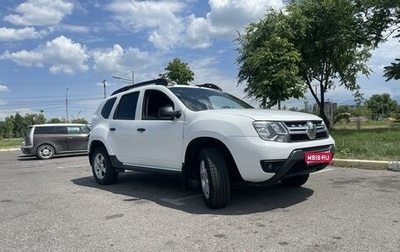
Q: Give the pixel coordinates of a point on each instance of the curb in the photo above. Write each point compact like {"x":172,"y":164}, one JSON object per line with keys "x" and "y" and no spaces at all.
{"x":367,"y":164}
{"x":11,"y":149}
{"x":361,"y":164}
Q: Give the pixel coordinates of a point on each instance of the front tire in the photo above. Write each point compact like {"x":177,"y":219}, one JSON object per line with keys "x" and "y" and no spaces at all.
{"x":214,"y":178}
{"x":295,"y":181}
{"x":102,"y":169}
{"x":45,"y":151}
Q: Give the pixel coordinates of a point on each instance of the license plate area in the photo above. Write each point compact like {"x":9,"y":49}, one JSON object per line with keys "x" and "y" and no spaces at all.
{"x":318,"y":157}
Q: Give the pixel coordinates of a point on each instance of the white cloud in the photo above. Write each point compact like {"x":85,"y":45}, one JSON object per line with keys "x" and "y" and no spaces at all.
{"x":75,"y":28}
{"x":225,"y":19}
{"x":384,"y":54}
{"x":11,"y":34}
{"x":158,"y":18}
{"x":167,"y":27}
{"x":3,"y":88}
{"x":62,"y":54}
{"x":118,"y":60}
{"x":40,"y":12}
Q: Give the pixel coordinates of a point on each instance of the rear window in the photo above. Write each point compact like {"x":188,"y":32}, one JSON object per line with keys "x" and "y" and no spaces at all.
{"x":106,"y":110}
{"x":50,"y":130}
{"x":28,"y":131}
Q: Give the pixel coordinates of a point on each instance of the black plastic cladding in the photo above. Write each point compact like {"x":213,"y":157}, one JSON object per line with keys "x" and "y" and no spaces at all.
{"x":160,"y":81}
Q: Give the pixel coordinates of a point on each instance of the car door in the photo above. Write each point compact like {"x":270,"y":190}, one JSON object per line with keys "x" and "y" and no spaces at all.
{"x":122,"y":129}
{"x":160,"y":139}
{"x":78,"y":137}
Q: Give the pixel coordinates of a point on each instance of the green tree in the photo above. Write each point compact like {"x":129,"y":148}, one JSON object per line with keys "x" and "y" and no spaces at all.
{"x":55,"y":120}
{"x":79,"y":120}
{"x":8,"y":127}
{"x":332,"y":44}
{"x":269,"y":62}
{"x":392,"y":71}
{"x":381,"y":106}
{"x":328,"y":35}
{"x":381,"y":20}
{"x":20,"y":125}
{"x":178,"y":72}
{"x":35,"y":118}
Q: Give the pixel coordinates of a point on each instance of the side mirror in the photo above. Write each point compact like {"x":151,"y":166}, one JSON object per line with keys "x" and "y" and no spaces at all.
{"x":168,"y":112}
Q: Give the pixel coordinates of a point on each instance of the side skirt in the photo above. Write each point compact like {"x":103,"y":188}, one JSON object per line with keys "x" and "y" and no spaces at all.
{"x":120,"y":167}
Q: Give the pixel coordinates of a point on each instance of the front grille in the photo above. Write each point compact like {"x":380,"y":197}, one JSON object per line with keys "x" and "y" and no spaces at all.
{"x":299,"y":132}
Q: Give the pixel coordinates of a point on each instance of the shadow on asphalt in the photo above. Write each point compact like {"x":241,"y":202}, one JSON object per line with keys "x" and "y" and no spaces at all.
{"x":167,"y":190}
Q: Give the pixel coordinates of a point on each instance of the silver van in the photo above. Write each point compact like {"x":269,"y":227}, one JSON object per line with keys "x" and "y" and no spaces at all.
{"x":47,"y":140}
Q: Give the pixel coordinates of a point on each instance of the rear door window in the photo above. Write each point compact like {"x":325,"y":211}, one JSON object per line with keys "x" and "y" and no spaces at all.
{"x":126,"y":109}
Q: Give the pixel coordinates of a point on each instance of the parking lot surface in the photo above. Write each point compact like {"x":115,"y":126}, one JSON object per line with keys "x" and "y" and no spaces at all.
{"x":56,"y":205}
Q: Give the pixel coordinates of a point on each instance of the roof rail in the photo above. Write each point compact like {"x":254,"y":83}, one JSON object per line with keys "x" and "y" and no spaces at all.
{"x":210,"y":85}
{"x":159,"y":81}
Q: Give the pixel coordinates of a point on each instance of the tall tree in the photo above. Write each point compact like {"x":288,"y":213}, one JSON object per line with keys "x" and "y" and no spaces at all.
{"x":178,"y":71}
{"x":332,"y":44}
{"x":382,"y":20}
{"x":328,"y":35}
{"x":269,"y":62}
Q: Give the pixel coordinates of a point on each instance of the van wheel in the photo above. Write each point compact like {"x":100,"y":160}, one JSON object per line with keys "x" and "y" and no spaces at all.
{"x":295,"y":181}
{"x":103,"y":172}
{"x":214,"y":178}
{"x":45,"y":151}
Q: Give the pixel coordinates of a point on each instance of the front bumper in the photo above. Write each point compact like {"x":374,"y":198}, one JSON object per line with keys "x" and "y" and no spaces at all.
{"x":295,"y":164}
{"x":249,"y":154}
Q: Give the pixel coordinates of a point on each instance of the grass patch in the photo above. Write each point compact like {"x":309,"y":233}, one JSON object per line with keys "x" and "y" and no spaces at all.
{"x":373,"y":141}
{"x":10,"y":143}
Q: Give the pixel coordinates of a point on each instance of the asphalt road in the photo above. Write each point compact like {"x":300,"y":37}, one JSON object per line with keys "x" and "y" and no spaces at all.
{"x":56,"y":205}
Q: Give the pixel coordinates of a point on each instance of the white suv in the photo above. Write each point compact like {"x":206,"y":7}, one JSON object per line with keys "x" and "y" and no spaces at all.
{"x":209,"y":137}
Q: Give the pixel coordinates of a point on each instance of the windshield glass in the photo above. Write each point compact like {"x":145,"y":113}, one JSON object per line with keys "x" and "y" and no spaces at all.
{"x":197,"y":99}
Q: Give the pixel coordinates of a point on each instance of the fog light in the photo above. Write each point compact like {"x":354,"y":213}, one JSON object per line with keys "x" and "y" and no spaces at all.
{"x":271,"y":166}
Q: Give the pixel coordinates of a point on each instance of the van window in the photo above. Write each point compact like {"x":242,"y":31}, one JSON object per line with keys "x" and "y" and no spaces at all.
{"x":50,"y":130}
{"x":74,"y":130}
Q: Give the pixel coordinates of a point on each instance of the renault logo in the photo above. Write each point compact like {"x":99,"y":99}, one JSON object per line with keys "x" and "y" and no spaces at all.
{"x":311,"y":130}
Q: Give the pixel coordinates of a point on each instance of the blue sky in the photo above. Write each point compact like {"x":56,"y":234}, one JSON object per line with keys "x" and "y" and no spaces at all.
{"x":57,"y":50}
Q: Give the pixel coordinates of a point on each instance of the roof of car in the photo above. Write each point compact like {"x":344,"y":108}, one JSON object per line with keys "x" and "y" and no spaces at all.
{"x":58,"y":124}
{"x":162,"y":82}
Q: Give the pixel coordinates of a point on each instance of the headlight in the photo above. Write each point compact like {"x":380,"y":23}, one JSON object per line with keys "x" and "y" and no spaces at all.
{"x":271,"y":131}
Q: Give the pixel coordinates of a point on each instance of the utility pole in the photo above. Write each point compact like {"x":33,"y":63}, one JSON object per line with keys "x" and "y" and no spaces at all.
{"x":104,"y":87}
{"x":66,"y":104}
{"x":132,"y":80}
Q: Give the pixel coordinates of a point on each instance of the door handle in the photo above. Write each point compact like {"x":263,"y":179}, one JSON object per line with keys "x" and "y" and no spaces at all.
{"x":141,"y":129}
{"x":112,"y":129}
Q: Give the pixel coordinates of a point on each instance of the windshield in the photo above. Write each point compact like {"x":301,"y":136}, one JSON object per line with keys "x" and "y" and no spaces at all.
{"x":197,"y":99}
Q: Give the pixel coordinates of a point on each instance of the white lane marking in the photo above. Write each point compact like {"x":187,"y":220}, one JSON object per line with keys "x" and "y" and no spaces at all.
{"x":70,"y":166}
{"x":178,"y":202}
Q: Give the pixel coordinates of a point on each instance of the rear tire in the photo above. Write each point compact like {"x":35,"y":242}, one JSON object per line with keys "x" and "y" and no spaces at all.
{"x":295,"y":181}
{"x":102,"y":169}
{"x":214,"y":178}
{"x":45,"y":151}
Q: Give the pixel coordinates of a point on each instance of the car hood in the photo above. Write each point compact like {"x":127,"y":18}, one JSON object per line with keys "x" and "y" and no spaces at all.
{"x":264,"y":114}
